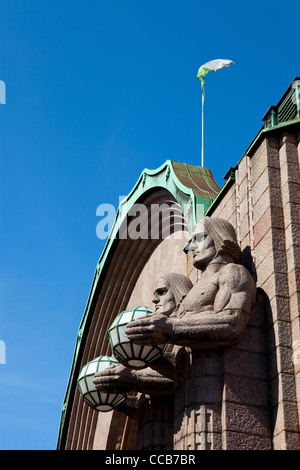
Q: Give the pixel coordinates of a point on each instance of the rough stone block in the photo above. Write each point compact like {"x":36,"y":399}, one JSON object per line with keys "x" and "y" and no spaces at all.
{"x":245,"y":363}
{"x":238,"y":441}
{"x":273,"y":240}
{"x":265,"y":156}
{"x":242,"y":168}
{"x":295,"y":305}
{"x":257,"y":316}
{"x":276,"y":283}
{"x":244,"y":226}
{"x":291,"y":213}
{"x":253,"y":339}
{"x":259,"y":162}
{"x":246,"y":419}
{"x":233,"y":220}
{"x":272,"y":217}
{"x":272,"y":146}
{"x":287,"y":138}
{"x":288,"y":149}
{"x":277,"y":309}
{"x":292,"y":236}
{"x":280,"y":361}
{"x":283,"y":388}
{"x":293,"y":257}
{"x":270,"y":198}
{"x":297,"y":380}
{"x":285,"y":417}
{"x":199,"y":429}
{"x":204,"y":390}
{"x":290,"y":193}
{"x":206,"y":362}
{"x":243,"y":188}
{"x":281,"y":334}
{"x":275,"y":262}
{"x":286,"y":441}
{"x":270,"y":178}
{"x":229,"y":198}
{"x":245,"y":390}
{"x":294,"y":280}
{"x":245,"y":242}
{"x":289,"y":172}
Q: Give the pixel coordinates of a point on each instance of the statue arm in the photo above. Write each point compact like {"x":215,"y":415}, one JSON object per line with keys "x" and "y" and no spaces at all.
{"x":208,"y":329}
{"x":118,"y":378}
{"x":223,"y":325}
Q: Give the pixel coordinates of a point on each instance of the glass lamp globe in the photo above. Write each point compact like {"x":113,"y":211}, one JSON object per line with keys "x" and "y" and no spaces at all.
{"x":133,"y":355}
{"x":100,"y":401}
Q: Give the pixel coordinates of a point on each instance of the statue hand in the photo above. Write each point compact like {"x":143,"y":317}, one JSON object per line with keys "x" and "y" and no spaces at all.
{"x":121,"y":379}
{"x":114,"y":379}
{"x":151,"y":329}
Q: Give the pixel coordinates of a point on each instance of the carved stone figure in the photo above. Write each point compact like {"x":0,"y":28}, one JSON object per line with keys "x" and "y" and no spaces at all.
{"x":202,"y":318}
{"x":212,"y":313}
{"x":170,"y":290}
{"x":216,"y":310}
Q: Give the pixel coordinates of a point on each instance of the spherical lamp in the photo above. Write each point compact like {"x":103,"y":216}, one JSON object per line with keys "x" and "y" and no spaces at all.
{"x":100,"y":401}
{"x":133,"y":355}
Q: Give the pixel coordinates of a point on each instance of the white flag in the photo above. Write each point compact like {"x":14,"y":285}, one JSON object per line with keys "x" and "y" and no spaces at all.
{"x":212,"y":66}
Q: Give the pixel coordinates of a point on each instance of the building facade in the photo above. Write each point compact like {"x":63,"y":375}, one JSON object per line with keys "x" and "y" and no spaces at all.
{"x":245,"y":396}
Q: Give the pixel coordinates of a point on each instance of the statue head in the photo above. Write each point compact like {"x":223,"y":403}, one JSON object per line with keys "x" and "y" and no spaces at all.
{"x":170,"y":290}
{"x":213,"y":238}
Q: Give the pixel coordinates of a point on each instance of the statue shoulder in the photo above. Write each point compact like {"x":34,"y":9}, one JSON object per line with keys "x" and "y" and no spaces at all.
{"x":238,"y":276}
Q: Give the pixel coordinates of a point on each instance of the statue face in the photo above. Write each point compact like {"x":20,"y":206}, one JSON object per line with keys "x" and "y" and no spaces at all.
{"x":203,"y":249}
{"x":163,"y":298}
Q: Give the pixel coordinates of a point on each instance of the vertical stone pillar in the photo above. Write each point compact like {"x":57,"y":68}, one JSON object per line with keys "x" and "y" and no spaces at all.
{"x":295,"y":305}
{"x":198,"y":400}
{"x":245,"y":406}
{"x":221,"y":399}
{"x":156,"y":424}
{"x":290,"y":188}
{"x":246,"y":422}
{"x":244,"y":213}
{"x":272,"y":277}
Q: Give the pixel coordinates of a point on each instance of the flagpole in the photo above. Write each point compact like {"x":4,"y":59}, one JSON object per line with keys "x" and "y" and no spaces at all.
{"x":212,"y":65}
{"x":202,"y":150}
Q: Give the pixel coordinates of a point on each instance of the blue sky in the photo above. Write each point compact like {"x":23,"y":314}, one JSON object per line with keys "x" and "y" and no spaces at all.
{"x":96,"y":91}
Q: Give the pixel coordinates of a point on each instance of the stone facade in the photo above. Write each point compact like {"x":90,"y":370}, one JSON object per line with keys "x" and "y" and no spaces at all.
{"x":246,"y":396}
{"x":264,"y":206}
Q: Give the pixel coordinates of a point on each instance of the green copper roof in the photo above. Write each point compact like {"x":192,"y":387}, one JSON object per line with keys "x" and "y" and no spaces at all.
{"x":287,"y":108}
{"x":284,"y":116}
{"x":194,"y":188}
{"x":189,"y":184}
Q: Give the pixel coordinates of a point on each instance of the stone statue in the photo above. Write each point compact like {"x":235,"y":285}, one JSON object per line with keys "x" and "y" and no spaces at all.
{"x":212,"y":313}
{"x":170,"y":290}
{"x":203,"y":319}
{"x":216,"y":310}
